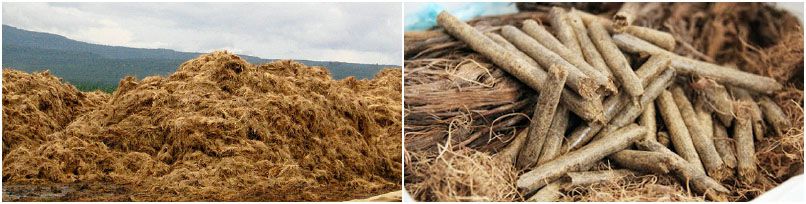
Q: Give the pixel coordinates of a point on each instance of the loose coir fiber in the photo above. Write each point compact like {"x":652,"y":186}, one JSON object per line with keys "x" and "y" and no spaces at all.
{"x":218,"y":128}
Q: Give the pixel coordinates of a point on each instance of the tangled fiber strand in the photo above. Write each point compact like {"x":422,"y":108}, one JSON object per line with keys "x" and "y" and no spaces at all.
{"x":463,"y":175}
{"x":464,"y":96}
{"x":220,"y":128}
{"x":35,"y":105}
{"x":664,"y":188}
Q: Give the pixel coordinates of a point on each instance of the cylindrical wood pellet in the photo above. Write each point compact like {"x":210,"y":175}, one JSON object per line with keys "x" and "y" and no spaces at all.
{"x":774,"y":115}
{"x":694,"y":67}
{"x":589,"y":50}
{"x":652,"y":68}
{"x":615,"y":60}
{"x":625,"y":15}
{"x":582,"y":178}
{"x":595,"y":151}
{"x":759,"y":128}
{"x":648,"y":120}
{"x":704,"y":115}
{"x":555,"y":136}
{"x":745,"y":148}
{"x":559,"y":22}
{"x":724,"y":145}
{"x":541,"y":119}
{"x":644,"y":161}
{"x":678,"y":132}
{"x":509,"y":46}
{"x":661,"y":39}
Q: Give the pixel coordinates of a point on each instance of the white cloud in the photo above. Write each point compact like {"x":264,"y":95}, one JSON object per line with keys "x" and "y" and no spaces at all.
{"x":350,"y":32}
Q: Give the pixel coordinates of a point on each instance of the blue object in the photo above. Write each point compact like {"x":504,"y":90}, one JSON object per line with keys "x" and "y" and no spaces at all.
{"x":426,"y":17}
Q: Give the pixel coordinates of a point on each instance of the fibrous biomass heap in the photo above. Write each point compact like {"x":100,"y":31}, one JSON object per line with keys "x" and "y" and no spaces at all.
{"x":220,"y":128}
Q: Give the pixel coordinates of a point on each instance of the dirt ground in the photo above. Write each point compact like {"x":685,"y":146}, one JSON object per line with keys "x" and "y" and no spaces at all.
{"x":129,"y":193}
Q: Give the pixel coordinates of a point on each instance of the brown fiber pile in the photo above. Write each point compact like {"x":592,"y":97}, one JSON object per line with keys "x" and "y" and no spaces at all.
{"x":455,"y":176}
{"x":220,"y":128}
{"x":457,"y":96}
{"x":40,"y":104}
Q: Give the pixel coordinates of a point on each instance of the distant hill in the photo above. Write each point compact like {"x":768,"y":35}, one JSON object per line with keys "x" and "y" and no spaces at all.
{"x":92,"y":66}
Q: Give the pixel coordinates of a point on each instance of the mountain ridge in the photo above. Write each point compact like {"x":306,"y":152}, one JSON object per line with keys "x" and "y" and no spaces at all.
{"x":95,"y":66}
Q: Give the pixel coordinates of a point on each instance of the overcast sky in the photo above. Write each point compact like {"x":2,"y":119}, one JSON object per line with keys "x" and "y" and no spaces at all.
{"x":348,"y":32}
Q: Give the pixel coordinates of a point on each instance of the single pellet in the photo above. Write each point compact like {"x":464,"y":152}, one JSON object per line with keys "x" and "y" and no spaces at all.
{"x":647,"y":120}
{"x":759,"y":128}
{"x":652,"y":68}
{"x":555,"y":136}
{"x":582,"y":178}
{"x":625,"y":16}
{"x":688,"y":66}
{"x":704,"y":115}
{"x":510,"y":47}
{"x":615,"y":60}
{"x":724,"y":145}
{"x":541,"y":119}
{"x":589,"y":50}
{"x":745,"y":149}
{"x":644,"y":161}
{"x":661,"y":39}
{"x":559,"y":22}
{"x":678,"y":132}
{"x":774,"y":115}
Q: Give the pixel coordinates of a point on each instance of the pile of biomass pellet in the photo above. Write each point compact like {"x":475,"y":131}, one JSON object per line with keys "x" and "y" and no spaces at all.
{"x":615,"y":102}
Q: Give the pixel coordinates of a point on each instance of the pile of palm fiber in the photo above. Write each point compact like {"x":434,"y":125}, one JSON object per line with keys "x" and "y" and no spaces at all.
{"x":40,"y":104}
{"x":220,"y":129}
{"x":459,"y":101}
